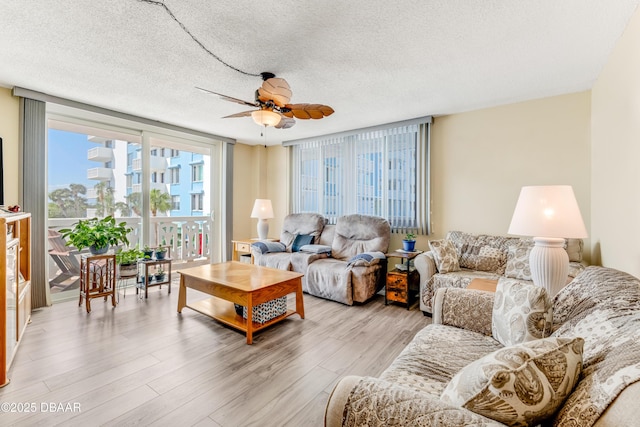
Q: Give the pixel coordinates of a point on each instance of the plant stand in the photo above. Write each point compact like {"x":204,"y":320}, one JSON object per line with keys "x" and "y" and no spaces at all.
{"x":146,"y":269}
{"x":97,"y":278}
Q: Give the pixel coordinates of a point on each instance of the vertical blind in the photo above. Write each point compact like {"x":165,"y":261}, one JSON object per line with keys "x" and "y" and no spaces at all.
{"x":381,"y":171}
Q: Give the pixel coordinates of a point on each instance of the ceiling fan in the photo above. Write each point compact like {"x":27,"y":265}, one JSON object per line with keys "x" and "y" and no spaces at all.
{"x":272,"y":103}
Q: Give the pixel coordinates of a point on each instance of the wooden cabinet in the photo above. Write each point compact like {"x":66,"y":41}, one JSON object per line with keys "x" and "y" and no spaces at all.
{"x":15,"y":285}
{"x":402,"y":282}
{"x":401,"y":285}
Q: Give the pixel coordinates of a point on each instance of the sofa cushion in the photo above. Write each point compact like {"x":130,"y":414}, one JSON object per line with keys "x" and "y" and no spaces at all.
{"x":300,"y":241}
{"x":445,"y":255}
{"x":481,"y":252}
{"x":301,"y":223}
{"x":518,"y":260}
{"x":521,"y":312}
{"x":519,"y":385}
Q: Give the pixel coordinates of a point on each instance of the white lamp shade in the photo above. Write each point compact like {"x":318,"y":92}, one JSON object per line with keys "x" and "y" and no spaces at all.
{"x":548,"y":211}
{"x":266,"y":117}
{"x":262,"y":209}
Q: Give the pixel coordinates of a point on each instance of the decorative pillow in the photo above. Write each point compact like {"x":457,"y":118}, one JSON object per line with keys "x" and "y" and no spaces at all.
{"x":518,"y":260}
{"x":316,"y":249}
{"x":300,"y":241}
{"x":445,"y":255}
{"x":268,"y":247}
{"x":521,"y":385}
{"x":521,"y":312}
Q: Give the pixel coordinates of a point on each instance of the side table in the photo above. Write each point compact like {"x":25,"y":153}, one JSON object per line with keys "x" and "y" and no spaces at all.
{"x":97,"y":278}
{"x":401,"y":282}
{"x":244,"y":246}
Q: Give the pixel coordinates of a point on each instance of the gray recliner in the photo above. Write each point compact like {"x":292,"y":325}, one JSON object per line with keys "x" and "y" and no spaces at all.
{"x":345,"y":277}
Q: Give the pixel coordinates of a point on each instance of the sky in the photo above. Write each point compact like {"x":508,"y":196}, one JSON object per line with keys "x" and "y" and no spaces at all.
{"x":68,"y":162}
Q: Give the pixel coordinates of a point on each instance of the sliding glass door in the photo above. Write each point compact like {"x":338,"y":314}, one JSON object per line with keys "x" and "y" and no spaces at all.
{"x":165,"y":186}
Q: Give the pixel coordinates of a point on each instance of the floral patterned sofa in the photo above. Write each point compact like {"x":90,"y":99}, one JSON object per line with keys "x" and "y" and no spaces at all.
{"x":344,"y":262}
{"x":463,"y":371}
{"x":461,"y":257}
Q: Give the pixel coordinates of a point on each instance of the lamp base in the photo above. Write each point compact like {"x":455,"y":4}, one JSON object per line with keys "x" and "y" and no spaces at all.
{"x":549,"y":264}
{"x":263,"y":229}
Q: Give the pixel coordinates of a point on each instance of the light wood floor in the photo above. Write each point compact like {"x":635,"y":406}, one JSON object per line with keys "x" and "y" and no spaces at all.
{"x":144,"y":364}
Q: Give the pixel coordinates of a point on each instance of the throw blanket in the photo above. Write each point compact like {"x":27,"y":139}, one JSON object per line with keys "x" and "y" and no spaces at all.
{"x":366,"y":258}
{"x":602,"y":305}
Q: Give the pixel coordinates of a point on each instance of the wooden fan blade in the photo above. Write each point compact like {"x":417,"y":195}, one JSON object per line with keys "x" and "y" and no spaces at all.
{"x":242,"y":114}
{"x":285,"y":123}
{"x":309,"y":111}
{"x":275,"y":89}
{"x":228,"y":98}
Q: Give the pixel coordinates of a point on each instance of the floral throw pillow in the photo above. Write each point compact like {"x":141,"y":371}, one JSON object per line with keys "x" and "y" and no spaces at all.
{"x":521,"y":312}
{"x":518,"y":260}
{"x":521,"y":385}
{"x":445,"y":255}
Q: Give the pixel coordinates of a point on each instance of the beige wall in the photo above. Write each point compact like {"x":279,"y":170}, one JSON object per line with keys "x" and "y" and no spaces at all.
{"x":615,"y":122}
{"x":9,"y":128}
{"x":481,"y":159}
{"x":259,"y":173}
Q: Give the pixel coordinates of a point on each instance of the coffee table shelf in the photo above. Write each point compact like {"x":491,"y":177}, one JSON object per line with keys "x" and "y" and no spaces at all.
{"x":223,"y":311}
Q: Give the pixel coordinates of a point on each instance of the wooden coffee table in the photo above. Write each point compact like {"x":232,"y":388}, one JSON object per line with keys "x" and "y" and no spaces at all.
{"x":245,"y":284}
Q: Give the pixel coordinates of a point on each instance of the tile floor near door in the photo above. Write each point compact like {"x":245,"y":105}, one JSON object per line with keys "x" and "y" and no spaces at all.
{"x":144,"y":364}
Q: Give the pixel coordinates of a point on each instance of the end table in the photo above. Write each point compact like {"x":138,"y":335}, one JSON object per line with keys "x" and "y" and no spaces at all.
{"x":400,"y":282}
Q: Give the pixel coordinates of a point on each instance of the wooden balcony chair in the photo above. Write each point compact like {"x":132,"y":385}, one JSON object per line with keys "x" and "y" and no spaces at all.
{"x":66,"y":258}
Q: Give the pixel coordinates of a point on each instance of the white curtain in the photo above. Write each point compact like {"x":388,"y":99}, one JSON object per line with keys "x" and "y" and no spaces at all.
{"x":381,"y":171}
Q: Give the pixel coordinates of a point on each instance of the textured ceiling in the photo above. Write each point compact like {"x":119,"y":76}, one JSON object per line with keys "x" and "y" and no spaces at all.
{"x":374,"y":62}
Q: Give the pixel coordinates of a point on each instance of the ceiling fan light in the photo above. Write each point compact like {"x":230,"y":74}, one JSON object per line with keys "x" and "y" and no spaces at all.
{"x":266,"y":117}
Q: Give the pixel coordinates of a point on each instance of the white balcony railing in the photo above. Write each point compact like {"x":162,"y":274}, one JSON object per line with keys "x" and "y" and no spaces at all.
{"x":100,"y":174}
{"x":137,"y":188}
{"x":156,"y":164}
{"x":100,"y":154}
{"x":189,"y":237}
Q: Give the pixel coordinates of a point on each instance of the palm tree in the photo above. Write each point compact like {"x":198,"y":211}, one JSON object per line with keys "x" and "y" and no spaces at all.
{"x":159,"y":202}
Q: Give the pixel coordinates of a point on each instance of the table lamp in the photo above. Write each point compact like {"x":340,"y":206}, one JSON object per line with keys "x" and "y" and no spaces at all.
{"x":262,"y":210}
{"x":549,"y":214}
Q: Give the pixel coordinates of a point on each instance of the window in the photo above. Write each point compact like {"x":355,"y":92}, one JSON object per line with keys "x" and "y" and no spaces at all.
{"x":175,"y":153}
{"x":174,"y":175}
{"x":381,"y":171}
{"x":175,"y":203}
{"x":196,"y":202}
{"x":196,"y":172}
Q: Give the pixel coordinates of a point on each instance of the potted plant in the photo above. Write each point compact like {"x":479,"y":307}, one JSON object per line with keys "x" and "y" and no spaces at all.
{"x":409,"y":242}
{"x":97,"y":234}
{"x":147,"y":252}
{"x":161,"y":251}
{"x":160,"y":275}
{"x":127,"y":259}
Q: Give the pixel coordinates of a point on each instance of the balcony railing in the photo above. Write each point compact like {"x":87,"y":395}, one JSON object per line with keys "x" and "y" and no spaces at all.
{"x":137,"y":188}
{"x":156,"y":164}
{"x":189,"y":237}
{"x":100,"y":174}
{"x":100,"y":154}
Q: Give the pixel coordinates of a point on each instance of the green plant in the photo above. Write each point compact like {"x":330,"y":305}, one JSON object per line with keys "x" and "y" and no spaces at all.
{"x":409,"y":237}
{"x":129,"y":256}
{"x":161,"y":249}
{"x":97,"y":233}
